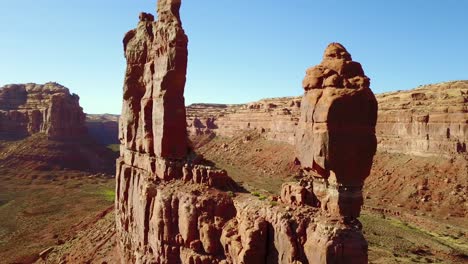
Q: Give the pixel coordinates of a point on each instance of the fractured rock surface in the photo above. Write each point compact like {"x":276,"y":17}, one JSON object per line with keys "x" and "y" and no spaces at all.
{"x":27,"y":109}
{"x":153,"y":114}
{"x":171,"y":209}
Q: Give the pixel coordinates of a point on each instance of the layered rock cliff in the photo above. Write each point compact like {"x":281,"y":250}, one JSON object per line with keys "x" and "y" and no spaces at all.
{"x":429,"y":120}
{"x":275,"y":118}
{"x":27,"y":109}
{"x":172,"y":209}
{"x":426,"y":121}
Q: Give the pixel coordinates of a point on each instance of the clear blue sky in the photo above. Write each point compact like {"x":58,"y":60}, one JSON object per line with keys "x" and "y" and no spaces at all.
{"x":239,"y":51}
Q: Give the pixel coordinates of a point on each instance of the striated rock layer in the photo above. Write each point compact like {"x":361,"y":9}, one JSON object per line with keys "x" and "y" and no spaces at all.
{"x":27,"y":109}
{"x":171,"y":209}
{"x":276,"y":118}
{"x":431,"y":120}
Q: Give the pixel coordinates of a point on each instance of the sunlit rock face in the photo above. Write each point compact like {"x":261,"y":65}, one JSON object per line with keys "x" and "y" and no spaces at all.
{"x":335,"y":138}
{"x":431,"y":120}
{"x":27,"y":109}
{"x":172,"y":209}
{"x":153,"y":114}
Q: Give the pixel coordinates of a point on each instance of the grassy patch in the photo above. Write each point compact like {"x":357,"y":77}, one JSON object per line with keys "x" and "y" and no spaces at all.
{"x":451,"y":242}
{"x":256,"y":194}
{"x":259,"y":195}
{"x":108,"y":194}
{"x":393,"y":241}
{"x":36,"y":212}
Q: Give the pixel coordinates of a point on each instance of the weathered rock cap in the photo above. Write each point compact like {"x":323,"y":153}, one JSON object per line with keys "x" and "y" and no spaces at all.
{"x":145,"y":17}
{"x":336,"y":70}
{"x":336,"y":51}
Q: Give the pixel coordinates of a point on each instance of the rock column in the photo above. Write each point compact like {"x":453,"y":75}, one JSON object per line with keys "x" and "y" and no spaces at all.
{"x":335,"y":144}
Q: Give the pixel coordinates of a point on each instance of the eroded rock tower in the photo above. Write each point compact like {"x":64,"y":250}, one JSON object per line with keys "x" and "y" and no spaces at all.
{"x":169,"y":209}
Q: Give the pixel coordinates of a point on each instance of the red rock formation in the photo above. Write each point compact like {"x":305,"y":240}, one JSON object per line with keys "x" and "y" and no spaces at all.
{"x":153,"y":115}
{"x":171,"y":209}
{"x":27,"y":109}
{"x":154,"y":152}
{"x":335,"y":139}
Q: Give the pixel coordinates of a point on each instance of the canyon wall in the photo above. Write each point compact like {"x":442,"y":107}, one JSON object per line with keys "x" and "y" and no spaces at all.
{"x":429,"y":120}
{"x":104,"y":128}
{"x":172,"y":208}
{"x":27,"y":109}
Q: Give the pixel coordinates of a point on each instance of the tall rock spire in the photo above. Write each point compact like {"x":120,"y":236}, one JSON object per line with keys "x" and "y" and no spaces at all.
{"x":335,"y":141}
{"x":153,"y":116}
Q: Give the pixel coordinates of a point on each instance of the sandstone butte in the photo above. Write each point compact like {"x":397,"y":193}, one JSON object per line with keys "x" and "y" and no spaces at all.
{"x":169,"y":209}
{"x":27,"y":109}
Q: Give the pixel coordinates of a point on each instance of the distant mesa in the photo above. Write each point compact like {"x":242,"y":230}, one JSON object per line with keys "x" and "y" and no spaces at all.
{"x":27,"y":109}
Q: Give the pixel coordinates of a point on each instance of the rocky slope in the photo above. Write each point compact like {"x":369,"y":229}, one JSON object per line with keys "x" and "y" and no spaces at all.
{"x":429,"y":120}
{"x":173,"y":209}
{"x":27,"y":109}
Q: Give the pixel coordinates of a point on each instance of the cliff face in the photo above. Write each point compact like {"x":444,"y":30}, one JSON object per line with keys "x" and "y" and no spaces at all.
{"x":276,"y":118}
{"x":172,"y":209}
{"x":27,"y":109}
{"x":430,"y":120}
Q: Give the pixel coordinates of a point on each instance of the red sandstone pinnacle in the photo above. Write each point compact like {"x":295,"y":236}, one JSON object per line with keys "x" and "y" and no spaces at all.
{"x":153,"y":116}
{"x":335,"y":139}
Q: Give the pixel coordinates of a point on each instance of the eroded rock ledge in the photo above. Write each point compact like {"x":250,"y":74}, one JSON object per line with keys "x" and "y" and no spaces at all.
{"x":27,"y":109}
{"x":170,"y":209}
